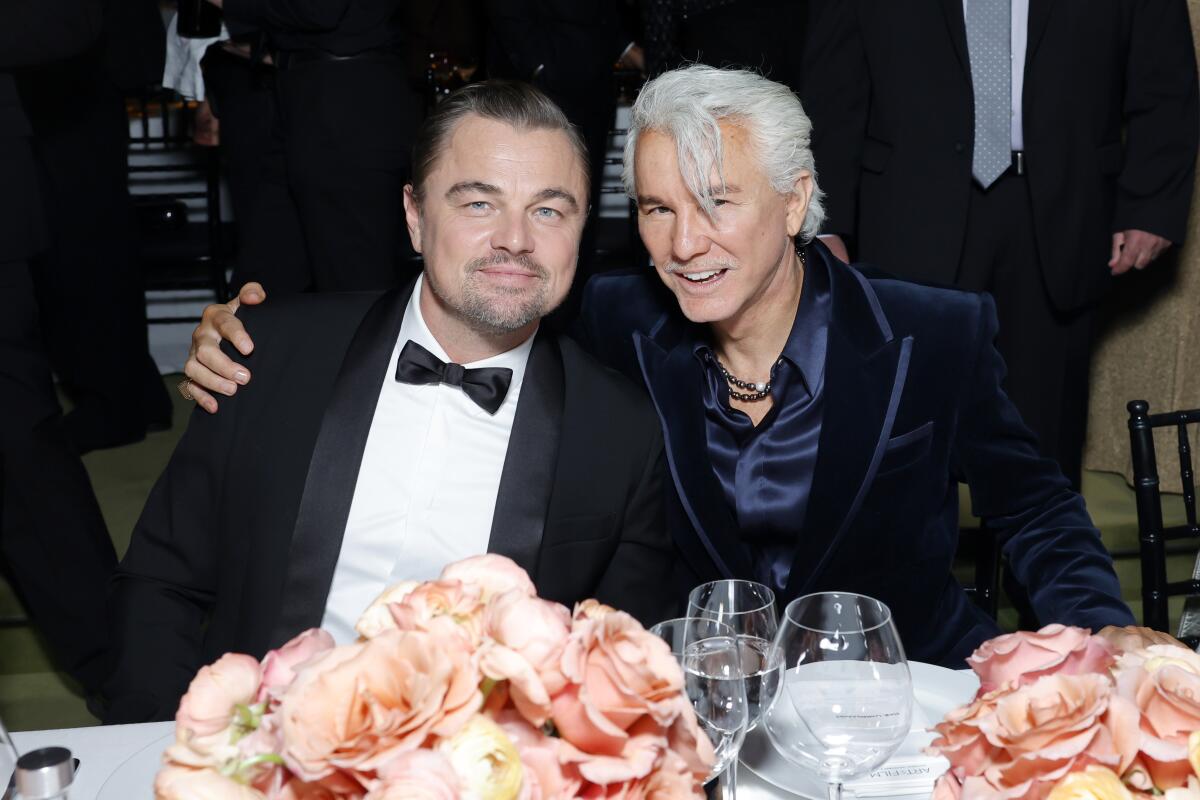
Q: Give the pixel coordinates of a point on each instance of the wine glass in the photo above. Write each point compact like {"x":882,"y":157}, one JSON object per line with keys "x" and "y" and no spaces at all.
{"x":844,"y":701}
{"x":749,"y":609}
{"x":710,"y":657}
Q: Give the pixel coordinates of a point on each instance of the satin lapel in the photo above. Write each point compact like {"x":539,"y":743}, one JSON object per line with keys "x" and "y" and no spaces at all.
{"x":333,"y":469}
{"x":1039,"y":15}
{"x":527,"y":480}
{"x":674,"y":380}
{"x":956,"y":23}
{"x":863,"y":387}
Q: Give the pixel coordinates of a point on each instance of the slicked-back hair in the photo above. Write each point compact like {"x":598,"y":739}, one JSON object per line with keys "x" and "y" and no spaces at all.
{"x":520,"y":105}
{"x":688,"y":104}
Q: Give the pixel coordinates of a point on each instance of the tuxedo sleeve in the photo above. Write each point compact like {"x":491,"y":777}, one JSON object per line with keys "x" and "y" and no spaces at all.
{"x":836,"y":97}
{"x":637,"y":578}
{"x":1162,"y":116}
{"x":1052,"y":547}
{"x":31,"y":33}
{"x":164,"y":588}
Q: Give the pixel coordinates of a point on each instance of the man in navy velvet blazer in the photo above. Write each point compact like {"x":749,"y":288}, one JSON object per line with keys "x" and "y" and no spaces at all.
{"x":817,"y":421}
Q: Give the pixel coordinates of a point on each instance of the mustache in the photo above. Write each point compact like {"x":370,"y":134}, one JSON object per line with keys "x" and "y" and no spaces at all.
{"x":525,"y":262}
{"x":700,"y":266}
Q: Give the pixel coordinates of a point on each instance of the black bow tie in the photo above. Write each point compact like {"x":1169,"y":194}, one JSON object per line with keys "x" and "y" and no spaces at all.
{"x":486,"y":386}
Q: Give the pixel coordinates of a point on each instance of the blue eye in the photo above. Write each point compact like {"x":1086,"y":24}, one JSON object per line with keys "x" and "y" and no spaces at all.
{"x":548,"y":213}
{"x":478,"y":205}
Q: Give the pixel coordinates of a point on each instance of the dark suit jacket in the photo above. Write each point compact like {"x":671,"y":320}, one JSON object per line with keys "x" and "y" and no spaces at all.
{"x":236,"y":547}
{"x":888,"y":87}
{"x":913,"y":405}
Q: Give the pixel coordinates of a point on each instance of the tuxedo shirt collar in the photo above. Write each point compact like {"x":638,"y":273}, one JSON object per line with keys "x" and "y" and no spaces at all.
{"x":414,"y":329}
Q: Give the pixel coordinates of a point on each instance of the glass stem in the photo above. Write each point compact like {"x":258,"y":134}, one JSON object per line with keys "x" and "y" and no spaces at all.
{"x":728,"y":781}
{"x":835,"y":791}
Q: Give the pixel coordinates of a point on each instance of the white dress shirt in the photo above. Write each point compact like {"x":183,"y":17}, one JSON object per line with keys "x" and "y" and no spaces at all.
{"x":428,"y":481}
{"x":1018,"y":43}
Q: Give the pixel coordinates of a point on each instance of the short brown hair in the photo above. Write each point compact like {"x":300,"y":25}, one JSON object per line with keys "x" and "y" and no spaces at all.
{"x":517,"y":104}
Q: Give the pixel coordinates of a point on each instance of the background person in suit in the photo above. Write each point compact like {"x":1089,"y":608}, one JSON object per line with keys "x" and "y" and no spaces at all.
{"x":1027,"y":148}
{"x":91,"y":268}
{"x":56,"y":550}
{"x":358,"y":457}
{"x":817,"y":421}
{"x":346,"y":118}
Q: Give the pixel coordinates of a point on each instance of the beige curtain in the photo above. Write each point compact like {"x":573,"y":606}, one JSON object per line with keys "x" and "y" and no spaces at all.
{"x":1149,"y":349}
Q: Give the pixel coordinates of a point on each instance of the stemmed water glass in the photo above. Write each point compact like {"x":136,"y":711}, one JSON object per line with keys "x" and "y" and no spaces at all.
{"x":749,"y":609}
{"x":709,"y":655}
{"x":844,"y":702}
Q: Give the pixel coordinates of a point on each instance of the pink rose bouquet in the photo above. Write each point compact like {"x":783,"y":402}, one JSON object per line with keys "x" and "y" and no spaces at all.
{"x":466,"y":686}
{"x":1065,"y":715}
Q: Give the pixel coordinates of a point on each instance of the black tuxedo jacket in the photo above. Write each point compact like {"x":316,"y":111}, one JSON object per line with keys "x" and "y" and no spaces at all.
{"x":1109,"y":117}
{"x":913,"y":406}
{"x":237,"y":544}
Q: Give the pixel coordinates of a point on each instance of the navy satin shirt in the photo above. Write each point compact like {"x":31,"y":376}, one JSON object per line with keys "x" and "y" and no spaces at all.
{"x":766,"y":470}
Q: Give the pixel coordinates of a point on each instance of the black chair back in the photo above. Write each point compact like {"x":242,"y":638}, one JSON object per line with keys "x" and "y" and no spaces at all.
{"x":1152,"y":535}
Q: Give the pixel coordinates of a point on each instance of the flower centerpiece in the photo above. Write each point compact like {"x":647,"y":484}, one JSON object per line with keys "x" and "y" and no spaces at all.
{"x":468,"y":686}
{"x":1067,"y":715}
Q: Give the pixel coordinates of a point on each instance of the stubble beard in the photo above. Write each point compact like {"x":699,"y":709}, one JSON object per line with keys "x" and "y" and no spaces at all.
{"x":498,"y":310}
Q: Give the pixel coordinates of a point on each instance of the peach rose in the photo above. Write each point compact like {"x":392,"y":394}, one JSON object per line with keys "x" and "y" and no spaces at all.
{"x":618,"y":672}
{"x":545,"y":777}
{"x":279,"y":666}
{"x":1056,"y":725}
{"x":1163,"y":683}
{"x":672,"y":780}
{"x":359,"y":706}
{"x":377,"y":618}
{"x":182,"y":783}
{"x":526,"y":639}
{"x":644,"y":746}
{"x":1093,"y":783}
{"x":947,"y":788}
{"x":416,"y":775}
{"x":1190,"y":791}
{"x":208,"y":717}
{"x":1024,"y":656}
{"x":959,"y":739}
{"x":691,"y":744}
{"x":493,"y":574}
{"x":442,"y":607}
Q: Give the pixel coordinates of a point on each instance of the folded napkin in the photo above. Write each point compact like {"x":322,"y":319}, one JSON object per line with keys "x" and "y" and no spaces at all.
{"x":909,"y":770}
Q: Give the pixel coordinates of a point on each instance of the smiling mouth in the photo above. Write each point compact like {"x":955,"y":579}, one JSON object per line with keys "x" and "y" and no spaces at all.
{"x":703,"y":277}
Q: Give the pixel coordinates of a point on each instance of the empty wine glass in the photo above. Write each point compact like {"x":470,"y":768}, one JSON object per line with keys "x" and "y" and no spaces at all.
{"x":749,"y":609}
{"x":844,"y":701}
{"x":710,"y":657}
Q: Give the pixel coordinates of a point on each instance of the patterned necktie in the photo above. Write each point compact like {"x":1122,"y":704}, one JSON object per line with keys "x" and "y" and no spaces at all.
{"x":486,"y":386}
{"x":989,"y":38}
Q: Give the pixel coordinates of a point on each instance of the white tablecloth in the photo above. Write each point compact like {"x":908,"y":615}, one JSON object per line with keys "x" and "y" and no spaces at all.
{"x":103,"y":750}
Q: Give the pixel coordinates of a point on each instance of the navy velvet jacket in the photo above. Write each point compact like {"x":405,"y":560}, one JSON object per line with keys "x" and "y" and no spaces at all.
{"x":913,"y":406}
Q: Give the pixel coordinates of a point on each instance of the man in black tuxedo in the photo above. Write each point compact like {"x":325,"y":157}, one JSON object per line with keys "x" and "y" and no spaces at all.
{"x":1014,"y":147}
{"x":358,"y":456}
{"x":56,"y":550}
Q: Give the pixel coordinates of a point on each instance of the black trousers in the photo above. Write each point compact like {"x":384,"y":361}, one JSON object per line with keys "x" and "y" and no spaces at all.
{"x":89,"y":282}
{"x":1047,"y":352}
{"x":54,"y":547}
{"x":270,"y":243}
{"x":347,"y":131}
